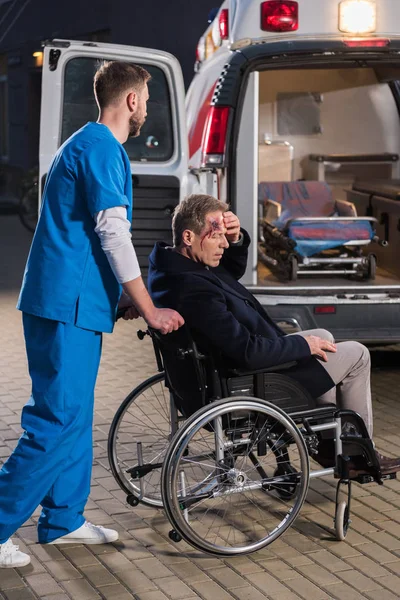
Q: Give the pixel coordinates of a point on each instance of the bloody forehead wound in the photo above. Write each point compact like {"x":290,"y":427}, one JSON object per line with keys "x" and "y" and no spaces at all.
{"x":212,"y":226}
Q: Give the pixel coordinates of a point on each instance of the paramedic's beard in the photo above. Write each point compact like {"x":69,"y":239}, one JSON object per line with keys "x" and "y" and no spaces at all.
{"x":135,"y":126}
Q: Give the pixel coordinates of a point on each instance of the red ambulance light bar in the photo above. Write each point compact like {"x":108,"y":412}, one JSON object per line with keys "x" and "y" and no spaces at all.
{"x":324,"y":310}
{"x":363,"y":43}
{"x":224,"y":24}
{"x":214,"y":137}
{"x":277,"y":15}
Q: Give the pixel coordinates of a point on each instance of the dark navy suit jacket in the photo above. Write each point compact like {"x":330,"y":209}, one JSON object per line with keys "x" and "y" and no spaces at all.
{"x":225,"y":318}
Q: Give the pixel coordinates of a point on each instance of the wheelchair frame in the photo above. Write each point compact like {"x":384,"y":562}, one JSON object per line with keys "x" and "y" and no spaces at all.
{"x":252,"y":438}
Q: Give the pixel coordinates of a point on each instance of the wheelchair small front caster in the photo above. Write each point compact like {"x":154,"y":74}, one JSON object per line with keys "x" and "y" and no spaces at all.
{"x":174,"y":536}
{"x":342,"y":512}
{"x":132,"y":500}
{"x":342,"y":520}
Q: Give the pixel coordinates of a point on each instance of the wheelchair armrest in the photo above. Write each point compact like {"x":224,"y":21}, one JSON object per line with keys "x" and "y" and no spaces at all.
{"x":276,"y":369}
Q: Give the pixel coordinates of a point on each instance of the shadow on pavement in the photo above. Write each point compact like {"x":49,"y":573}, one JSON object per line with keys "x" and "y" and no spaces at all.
{"x":386,"y":359}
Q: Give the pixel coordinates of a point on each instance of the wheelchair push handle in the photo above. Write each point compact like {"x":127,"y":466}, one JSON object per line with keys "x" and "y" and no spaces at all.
{"x":142,"y":334}
{"x":120,"y":313}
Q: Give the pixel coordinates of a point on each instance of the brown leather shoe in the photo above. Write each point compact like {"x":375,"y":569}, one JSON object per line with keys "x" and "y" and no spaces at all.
{"x":388,"y":465}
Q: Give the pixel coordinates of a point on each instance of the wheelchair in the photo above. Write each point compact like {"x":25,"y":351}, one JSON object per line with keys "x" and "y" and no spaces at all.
{"x":226,"y":452}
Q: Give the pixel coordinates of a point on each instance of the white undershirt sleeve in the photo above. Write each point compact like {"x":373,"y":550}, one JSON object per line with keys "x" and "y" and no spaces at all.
{"x":113,"y":229}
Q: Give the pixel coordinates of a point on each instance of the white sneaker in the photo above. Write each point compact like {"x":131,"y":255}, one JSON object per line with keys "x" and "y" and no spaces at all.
{"x":11,"y":557}
{"x":88,"y":534}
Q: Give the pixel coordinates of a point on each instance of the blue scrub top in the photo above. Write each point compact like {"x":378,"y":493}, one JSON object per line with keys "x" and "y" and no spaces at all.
{"x":67,"y":277}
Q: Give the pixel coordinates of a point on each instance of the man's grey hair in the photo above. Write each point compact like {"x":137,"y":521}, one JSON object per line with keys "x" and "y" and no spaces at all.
{"x":191,"y":214}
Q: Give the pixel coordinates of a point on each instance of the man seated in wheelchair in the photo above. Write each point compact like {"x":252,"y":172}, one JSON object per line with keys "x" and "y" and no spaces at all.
{"x":199,"y":277}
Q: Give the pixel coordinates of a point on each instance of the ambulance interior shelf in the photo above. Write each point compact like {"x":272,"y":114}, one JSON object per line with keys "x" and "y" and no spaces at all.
{"x":380,"y":199}
{"x":387,"y":188}
{"x":320,"y":164}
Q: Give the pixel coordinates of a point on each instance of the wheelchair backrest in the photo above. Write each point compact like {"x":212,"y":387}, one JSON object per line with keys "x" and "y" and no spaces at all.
{"x":185,"y":369}
{"x":298,"y":199}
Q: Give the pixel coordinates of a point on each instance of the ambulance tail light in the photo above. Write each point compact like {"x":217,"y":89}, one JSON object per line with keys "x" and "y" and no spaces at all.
{"x":224,"y":24}
{"x":363,"y":43}
{"x":278,"y":15}
{"x":214,"y":138}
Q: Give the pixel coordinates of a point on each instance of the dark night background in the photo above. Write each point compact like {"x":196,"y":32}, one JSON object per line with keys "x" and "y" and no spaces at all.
{"x":171,"y":25}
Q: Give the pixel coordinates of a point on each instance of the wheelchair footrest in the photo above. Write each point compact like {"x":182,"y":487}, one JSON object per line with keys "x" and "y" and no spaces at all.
{"x":371,"y":479}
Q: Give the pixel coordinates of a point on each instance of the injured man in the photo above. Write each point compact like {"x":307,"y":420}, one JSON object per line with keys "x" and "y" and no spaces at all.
{"x":199,"y":277}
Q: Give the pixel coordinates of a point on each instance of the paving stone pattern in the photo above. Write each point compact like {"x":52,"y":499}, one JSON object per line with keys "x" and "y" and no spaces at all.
{"x":306,"y":563}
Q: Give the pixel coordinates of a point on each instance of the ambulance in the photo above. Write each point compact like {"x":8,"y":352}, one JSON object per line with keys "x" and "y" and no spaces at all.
{"x":285,"y":93}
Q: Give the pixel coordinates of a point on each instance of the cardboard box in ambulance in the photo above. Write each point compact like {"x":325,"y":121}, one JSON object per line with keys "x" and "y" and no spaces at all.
{"x":285,"y":93}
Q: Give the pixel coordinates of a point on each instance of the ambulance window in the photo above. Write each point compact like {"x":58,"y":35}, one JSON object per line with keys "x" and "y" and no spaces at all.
{"x":155,"y":143}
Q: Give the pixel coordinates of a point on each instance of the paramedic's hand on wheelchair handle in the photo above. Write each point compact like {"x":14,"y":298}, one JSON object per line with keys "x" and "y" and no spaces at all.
{"x":318,"y":345}
{"x":165,"y":320}
{"x":135,"y":302}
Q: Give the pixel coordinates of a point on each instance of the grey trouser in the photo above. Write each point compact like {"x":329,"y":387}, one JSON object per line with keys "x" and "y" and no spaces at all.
{"x":349,"y":367}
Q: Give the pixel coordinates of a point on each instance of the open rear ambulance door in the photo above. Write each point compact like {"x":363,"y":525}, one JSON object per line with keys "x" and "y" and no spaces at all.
{"x":159,"y":156}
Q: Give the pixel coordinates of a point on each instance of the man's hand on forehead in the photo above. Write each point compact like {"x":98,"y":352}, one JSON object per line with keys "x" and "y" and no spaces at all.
{"x":232,"y":226}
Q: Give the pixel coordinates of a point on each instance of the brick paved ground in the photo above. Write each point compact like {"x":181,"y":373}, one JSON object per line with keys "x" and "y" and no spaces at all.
{"x":306,"y":563}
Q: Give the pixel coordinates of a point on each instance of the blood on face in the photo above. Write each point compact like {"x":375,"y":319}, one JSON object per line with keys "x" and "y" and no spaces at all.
{"x":213,"y":227}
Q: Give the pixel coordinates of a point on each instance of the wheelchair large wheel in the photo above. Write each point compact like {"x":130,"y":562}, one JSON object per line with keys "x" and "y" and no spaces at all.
{"x":226,"y":472}
{"x":141,"y":426}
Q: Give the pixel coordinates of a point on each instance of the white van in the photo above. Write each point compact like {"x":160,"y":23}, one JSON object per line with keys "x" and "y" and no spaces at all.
{"x":284,"y":91}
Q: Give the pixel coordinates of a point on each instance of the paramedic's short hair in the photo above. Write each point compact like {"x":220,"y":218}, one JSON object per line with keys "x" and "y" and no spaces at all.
{"x":191,"y":214}
{"x":114,"y":78}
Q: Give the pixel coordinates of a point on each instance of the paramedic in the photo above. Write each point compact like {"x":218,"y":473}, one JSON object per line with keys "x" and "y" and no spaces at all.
{"x":80,"y":257}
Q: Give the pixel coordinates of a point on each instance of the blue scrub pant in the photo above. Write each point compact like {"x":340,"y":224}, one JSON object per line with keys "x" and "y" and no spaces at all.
{"x":52,"y":462}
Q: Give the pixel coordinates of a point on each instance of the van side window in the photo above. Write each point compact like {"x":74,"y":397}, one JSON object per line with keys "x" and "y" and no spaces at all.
{"x":155,"y":143}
